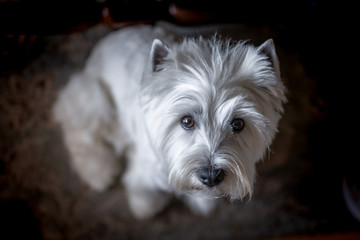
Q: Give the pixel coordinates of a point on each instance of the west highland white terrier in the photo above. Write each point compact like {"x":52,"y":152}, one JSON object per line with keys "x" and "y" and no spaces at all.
{"x":191,"y":115}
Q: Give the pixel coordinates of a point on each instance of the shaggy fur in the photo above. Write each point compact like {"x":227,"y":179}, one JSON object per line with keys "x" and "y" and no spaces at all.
{"x":192,"y":116}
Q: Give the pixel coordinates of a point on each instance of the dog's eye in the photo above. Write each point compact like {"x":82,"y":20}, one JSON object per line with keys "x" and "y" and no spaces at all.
{"x":237,"y":125}
{"x":187,"y":122}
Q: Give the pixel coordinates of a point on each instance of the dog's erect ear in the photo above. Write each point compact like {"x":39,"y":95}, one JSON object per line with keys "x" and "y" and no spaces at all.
{"x":158,"y":52}
{"x":268,"y":49}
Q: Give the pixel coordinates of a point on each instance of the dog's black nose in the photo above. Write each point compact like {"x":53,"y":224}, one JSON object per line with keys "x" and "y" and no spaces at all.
{"x":211,"y":176}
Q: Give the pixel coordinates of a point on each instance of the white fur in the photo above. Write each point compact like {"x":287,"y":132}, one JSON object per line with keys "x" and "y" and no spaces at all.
{"x":131,"y":98}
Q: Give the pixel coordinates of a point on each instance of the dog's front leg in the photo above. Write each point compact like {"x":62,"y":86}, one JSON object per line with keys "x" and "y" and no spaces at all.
{"x":143,"y":181}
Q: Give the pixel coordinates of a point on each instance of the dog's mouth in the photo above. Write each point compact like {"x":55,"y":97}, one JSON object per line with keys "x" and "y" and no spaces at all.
{"x":204,"y":188}
{"x":202,"y":181}
{"x":205,"y":192}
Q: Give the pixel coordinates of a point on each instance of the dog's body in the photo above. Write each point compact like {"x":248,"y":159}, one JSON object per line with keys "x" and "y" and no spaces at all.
{"x":192,"y":117}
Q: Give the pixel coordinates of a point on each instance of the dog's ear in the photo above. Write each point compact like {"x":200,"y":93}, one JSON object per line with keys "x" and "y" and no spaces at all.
{"x":268,"y":49}
{"x":158,"y":53}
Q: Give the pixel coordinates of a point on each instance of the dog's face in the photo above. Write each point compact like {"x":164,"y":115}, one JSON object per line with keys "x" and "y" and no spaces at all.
{"x":211,"y":110}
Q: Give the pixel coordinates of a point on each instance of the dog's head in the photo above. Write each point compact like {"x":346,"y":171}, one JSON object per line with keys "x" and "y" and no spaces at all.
{"x":211,"y":108}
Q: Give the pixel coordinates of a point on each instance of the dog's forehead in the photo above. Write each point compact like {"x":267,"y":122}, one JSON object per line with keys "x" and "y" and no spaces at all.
{"x":212,"y":102}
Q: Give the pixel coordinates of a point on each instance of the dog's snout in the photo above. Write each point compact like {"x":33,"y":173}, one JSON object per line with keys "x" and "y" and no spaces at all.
{"x":211,"y":176}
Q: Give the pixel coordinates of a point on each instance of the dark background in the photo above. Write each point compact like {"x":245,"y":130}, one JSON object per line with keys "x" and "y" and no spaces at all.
{"x":299,"y":193}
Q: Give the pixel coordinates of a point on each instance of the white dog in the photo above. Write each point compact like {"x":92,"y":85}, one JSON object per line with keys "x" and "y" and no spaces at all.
{"x":192,"y":116}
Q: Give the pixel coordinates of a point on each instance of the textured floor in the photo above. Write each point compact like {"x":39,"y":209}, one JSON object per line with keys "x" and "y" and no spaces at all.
{"x":298,"y":190}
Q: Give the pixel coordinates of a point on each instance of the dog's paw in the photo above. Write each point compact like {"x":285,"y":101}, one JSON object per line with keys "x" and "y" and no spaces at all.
{"x":200,"y":206}
{"x":144,"y":204}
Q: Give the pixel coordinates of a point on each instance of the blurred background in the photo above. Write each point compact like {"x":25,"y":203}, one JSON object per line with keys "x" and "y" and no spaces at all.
{"x":308,"y":187}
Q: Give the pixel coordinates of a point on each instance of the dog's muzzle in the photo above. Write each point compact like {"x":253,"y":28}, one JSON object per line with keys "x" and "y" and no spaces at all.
{"x":210,"y":176}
